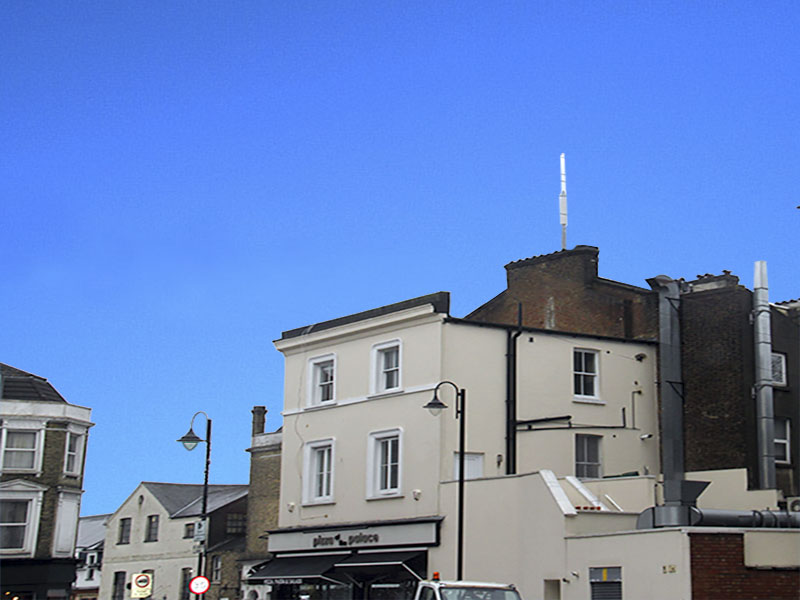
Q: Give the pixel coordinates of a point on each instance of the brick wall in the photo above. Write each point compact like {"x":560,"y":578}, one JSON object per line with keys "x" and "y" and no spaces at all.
{"x":229,"y":583}
{"x":718,"y":572}
{"x":717,"y":362}
{"x":53,"y":477}
{"x":262,"y":509}
{"x":562,"y":291}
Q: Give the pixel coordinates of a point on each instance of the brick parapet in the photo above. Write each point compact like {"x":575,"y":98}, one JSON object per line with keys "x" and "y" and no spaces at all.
{"x":562,"y":291}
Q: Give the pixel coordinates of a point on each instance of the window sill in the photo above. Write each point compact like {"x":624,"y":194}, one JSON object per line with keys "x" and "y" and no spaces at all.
{"x":11,"y":470}
{"x":588,"y":400}
{"x":386,"y":497}
{"x":311,"y":407}
{"x":318,"y":502}
{"x":386,"y":393}
{"x":17,"y":552}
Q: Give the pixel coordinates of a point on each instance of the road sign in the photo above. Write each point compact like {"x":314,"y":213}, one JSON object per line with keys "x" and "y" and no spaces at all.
{"x":199,"y":585}
{"x":200,"y":531}
{"x":141,"y":585}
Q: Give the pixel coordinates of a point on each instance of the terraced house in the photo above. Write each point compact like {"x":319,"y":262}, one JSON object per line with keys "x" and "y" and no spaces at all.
{"x":42,"y":451}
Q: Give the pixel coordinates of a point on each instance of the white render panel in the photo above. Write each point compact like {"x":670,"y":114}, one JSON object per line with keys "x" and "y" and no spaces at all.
{"x":66,"y":523}
{"x":356,"y":413}
{"x":46,"y":410}
{"x":772,"y":549}
{"x":655,"y":563}
{"x":474,"y":358}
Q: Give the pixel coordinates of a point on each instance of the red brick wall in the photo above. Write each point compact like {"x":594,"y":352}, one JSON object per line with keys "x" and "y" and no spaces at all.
{"x":562,"y":291}
{"x":718,"y":572}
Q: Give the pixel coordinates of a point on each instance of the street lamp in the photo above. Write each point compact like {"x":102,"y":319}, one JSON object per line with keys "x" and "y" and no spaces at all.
{"x":190,"y":441}
{"x":436,"y":407}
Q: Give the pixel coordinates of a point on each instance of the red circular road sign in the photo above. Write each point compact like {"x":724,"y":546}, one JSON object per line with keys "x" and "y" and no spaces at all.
{"x":199,"y":585}
{"x":142,"y":580}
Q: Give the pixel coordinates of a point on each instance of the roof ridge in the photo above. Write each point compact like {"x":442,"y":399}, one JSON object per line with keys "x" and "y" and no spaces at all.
{"x":20,"y":373}
{"x":578,"y":248}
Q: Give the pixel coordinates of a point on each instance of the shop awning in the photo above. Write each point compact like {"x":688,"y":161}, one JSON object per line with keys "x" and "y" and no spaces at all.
{"x":296,"y":569}
{"x":370,"y":562}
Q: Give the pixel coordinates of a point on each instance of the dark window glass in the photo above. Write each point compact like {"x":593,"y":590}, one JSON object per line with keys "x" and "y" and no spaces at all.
{"x":124,"y":535}
{"x":118,"y":588}
{"x":151,"y":534}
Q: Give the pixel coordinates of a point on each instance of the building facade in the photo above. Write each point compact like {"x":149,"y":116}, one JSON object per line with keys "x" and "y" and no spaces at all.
{"x":154,"y":531}
{"x":374,"y":506}
{"x":716,"y":329}
{"x":89,"y":554}
{"x":42,"y":451}
{"x":263,"y":504}
{"x":580,"y":454}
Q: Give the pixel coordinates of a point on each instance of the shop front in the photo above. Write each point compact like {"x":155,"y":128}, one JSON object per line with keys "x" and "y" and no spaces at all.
{"x":375,"y":561}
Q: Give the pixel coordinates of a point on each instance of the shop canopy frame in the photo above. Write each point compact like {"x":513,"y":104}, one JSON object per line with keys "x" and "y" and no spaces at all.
{"x":296,"y":569}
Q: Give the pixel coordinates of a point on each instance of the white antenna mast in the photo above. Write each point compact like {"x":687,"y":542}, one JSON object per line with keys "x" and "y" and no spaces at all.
{"x":562,"y":203}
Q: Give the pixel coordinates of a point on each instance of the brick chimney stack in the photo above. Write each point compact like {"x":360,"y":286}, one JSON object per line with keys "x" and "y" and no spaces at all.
{"x":259,"y":419}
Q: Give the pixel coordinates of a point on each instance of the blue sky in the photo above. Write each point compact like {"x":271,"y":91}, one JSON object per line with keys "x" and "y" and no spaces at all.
{"x":182,"y":181}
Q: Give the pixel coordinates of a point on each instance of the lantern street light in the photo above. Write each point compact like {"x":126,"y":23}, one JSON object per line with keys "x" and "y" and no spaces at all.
{"x":190,"y":441}
{"x":436,"y":406}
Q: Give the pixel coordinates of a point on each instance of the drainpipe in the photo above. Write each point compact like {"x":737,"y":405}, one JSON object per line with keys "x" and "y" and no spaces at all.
{"x":511,"y":395}
{"x":763,"y":377}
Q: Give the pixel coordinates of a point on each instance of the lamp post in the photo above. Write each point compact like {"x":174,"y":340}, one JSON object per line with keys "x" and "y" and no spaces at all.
{"x":190,"y":441}
{"x":436,"y":406}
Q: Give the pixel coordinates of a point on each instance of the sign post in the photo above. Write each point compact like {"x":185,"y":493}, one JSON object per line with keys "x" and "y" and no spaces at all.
{"x":141,"y":585}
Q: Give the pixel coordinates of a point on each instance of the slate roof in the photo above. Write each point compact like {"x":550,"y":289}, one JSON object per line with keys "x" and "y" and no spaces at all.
{"x":439,"y":300}
{"x":91,"y":530}
{"x":16,"y":384}
{"x":186,"y":499}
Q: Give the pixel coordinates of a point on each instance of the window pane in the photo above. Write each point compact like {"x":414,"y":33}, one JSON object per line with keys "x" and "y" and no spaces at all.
{"x":323,"y":466}
{"x":778,"y":369}
{"x":20,"y":452}
{"x":390,"y":358}
{"x":589,"y":362}
{"x":780,"y":452}
{"x":391,"y":380}
{"x":21,"y":439}
{"x":324,"y":381}
{"x":12,"y":536}
{"x":13,"y":511}
{"x":394,"y":463}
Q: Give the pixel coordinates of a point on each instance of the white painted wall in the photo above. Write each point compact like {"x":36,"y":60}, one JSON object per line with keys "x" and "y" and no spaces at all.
{"x":655,"y":563}
{"x":474,"y":357}
{"x":357,"y":412}
{"x":166,"y":557}
{"x":728,"y":491}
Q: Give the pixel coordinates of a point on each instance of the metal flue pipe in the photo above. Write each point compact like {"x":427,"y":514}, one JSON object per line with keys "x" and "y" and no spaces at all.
{"x":763,"y":377}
